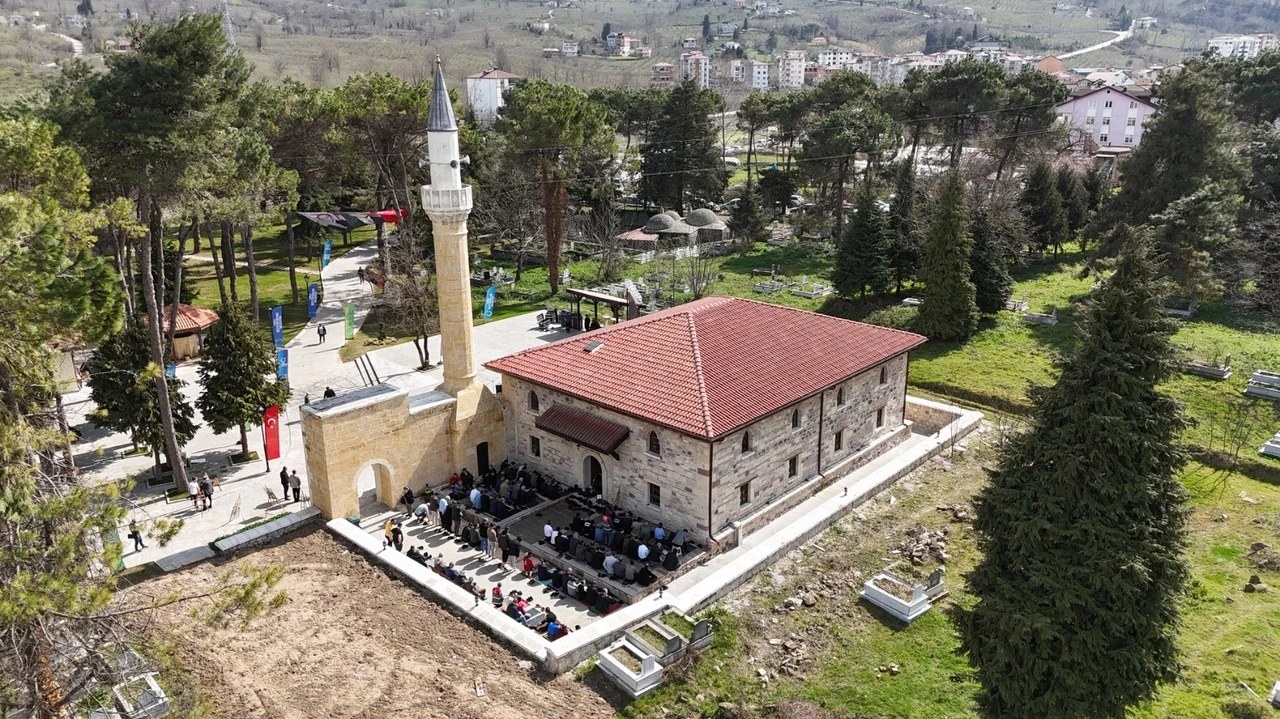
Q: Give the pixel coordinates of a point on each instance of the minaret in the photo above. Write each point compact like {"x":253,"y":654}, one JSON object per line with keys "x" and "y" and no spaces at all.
{"x":448,"y":203}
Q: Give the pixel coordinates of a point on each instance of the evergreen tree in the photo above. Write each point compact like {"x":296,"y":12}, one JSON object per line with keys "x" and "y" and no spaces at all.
{"x":706,"y":27}
{"x":1264,"y":236}
{"x":238,"y":359}
{"x":604,"y":32}
{"x":748,"y":220}
{"x":1043,"y":207}
{"x":1083,"y":525}
{"x":1095,"y":185}
{"x":122,"y":387}
{"x":991,"y":280}
{"x":862,"y":259}
{"x":681,"y":156}
{"x":1075,"y":198}
{"x":950,"y":310}
{"x":905,"y":250}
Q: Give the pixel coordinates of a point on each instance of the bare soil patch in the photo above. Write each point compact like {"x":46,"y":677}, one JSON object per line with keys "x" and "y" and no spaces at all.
{"x":353,"y":642}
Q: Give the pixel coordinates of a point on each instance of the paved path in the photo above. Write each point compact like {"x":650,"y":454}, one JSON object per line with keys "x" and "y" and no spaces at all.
{"x":1119,"y":36}
{"x":245,"y":263}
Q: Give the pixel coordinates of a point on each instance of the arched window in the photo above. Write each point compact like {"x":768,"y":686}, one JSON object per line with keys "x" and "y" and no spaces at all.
{"x":655,"y":447}
{"x":533,"y":401}
{"x":795,"y":419}
{"x":884,"y":375}
{"x":840,"y":397}
{"x":746,"y":442}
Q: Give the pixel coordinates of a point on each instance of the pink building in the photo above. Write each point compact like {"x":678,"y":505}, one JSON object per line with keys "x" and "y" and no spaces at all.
{"x":1108,"y":116}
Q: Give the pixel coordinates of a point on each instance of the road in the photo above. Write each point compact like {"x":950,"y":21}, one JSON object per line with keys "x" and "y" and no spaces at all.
{"x":1125,"y":35}
{"x":77,"y":47}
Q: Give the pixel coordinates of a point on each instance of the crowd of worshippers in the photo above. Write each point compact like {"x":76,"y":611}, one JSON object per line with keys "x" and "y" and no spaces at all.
{"x":499,"y":491}
{"x":616,"y":543}
{"x":517,"y":606}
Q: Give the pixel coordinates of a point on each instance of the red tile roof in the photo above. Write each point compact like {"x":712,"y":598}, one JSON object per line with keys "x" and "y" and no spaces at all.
{"x":190,"y":319}
{"x":580,"y":426}
{"x":710,"y":366}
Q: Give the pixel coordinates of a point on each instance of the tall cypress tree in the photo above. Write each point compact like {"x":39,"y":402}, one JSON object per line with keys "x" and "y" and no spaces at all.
{"x":950,"y":310}
{"x":862,"y":259}
{"x":904,"y":255}
{"x":1042,"y":205}
{"x":1082,"y":527}
{"x":1074,"y":196}
{"x":238,"y":374}
{"x":991,"y":279}
{"x":748,"y":221}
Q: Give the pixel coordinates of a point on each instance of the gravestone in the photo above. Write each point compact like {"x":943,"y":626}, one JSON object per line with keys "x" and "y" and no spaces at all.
{"x":701,"y":634}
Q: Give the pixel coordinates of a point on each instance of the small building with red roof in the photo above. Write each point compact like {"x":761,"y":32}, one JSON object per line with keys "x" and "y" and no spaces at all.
{"x":189,"y":327}
{"x":702,"y":414}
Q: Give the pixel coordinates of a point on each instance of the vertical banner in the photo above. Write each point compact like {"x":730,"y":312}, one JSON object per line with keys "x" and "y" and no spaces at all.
{"x":490,"y":295}
{"x":350,"y":324}
{"x":313,"y":300}
{"x":328,"y":252}
{"x":282,"y":366}
{"x":277,"y":325}
{"x":271,"y":432}
{"x":171,"y":370}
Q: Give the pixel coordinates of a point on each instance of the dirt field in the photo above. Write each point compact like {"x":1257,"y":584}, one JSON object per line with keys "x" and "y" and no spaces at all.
{"x":352,"y":642}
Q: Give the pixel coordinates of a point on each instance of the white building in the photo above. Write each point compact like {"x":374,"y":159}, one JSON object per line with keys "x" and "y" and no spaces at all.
{"x":837,"y":57}
{"x":569,"y":48}
{"x":759,"y":75}
{"x":697,"y":66}
{"x":1145,"y":23}
{"x":738,"y":70}
{"x":690,"y":43}
{"x":1244,"y":46}
{"x":791,"y":69}
{"x":484,"y":92}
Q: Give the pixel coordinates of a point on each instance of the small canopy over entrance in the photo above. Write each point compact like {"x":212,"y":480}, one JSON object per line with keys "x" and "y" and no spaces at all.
{"x":582,"y":428}
{"x":596,"y":299}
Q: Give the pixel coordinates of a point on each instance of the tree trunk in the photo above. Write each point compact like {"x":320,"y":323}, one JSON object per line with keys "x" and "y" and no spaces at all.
{"x":158,"y":267}
{"x":172,"y":450}
{"x":131,"y":278}
{"x":217,"y":270}
{"x":50,"y":699}
{"x":122,"y":268}
{"x":841,"y":177}
{"x":229,"y":259}
{"x":550,"y":224}
{"x":244,"y":441}
{"x":246,"y":234}
{"x":293,"y":272}
{"x":177,"y":290}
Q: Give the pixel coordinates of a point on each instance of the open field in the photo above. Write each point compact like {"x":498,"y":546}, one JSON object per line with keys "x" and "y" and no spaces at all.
{"x":352,"y":642}
{"x":832,"y":651}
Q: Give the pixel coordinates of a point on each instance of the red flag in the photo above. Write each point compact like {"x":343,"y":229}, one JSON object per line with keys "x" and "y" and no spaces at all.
{"x":271,"y":430}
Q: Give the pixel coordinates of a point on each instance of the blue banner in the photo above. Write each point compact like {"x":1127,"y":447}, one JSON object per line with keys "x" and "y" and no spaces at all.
{"x":328,"y":252}
{"x":313,"y":300}
{"x":171,"y":370}
{"x":490,"y":295}
{"x":282,"y":366}
{"x":277,"y":325}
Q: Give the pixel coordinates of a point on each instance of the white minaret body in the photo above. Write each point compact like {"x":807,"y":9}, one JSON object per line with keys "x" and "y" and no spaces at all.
{"x":448,"y":203}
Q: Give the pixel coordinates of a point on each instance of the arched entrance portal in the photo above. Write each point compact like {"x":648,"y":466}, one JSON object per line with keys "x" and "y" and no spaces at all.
{"x":374,"y":485}
{"x":593,"y":475}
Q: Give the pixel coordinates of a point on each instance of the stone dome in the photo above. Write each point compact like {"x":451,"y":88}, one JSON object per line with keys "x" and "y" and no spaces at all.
{"x":704,"y":218}
{"x":672,"y":214}
{"x":660,"y":222}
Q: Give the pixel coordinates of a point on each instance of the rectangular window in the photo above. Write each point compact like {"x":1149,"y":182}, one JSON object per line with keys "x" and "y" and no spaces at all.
{"x":744,"y":494}
{"x":1106,"y":121}
{"x":793,"y":466}
{"x":1107,"y":104}
{"x":884,"y":375}
{"x":535,"y":446}
{"x":1102,"y":138}
{"x":1131,"y":122}
{"x":1133,"y":104}
{"x":839,"y":440}
{"x":655,"y":495}
{"x":880,"y":418}
{"x":1088,"y":121}
{"x":1128,"y":139}
{"x":1093,"y":103}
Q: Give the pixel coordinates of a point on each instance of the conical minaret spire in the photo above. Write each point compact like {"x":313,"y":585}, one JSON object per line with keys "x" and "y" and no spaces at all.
{"x":441,"y":118}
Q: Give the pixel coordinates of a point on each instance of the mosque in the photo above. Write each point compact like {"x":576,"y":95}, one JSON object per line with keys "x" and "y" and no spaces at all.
{"x":711,"y":417}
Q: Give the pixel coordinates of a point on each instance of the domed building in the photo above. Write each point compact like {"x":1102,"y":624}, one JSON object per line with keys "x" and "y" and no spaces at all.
{"x":708,"y":225}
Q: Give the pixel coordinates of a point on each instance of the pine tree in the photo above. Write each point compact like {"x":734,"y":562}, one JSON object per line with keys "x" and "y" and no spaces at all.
{"x":862,"y":259}
{"x":1043,"y":207}
{"x":1264,"y":240}
{"x":749,"y":221}
{"x":950,"y":310}
{"x":238,"y":359}
{"x":123,"y":388}
{"x":991,"y":279}
{"x":1075,"y":198}
{"x":904,"y":256}
{"x":1083,"y":525}
{"x":706,"y":26}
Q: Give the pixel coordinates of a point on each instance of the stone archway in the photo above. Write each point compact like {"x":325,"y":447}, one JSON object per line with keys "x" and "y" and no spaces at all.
{"x":375,"y":482}
{"x":593,"y":474}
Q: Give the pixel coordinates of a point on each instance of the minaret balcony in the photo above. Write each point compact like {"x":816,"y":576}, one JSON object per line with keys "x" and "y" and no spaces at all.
{"x":446,"y":200}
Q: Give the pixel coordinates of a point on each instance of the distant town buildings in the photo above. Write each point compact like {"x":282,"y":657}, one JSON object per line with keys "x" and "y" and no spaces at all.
{"x":697,"y":66}
{"x":1145,"y":23}
{"x":484,"y":93}
{"x":569,"y":48}
{"x":759,"y":75}
{"x":1108,"y":116}
{"x":1244,"y":46}
{"x":791,"y":69}
{"x":623,"y":45}
{"x":662,"y":74}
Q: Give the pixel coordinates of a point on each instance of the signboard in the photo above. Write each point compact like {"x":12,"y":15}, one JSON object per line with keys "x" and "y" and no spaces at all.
{"x":350,"y":324}
{"x":277,"y":325}
{"x":282,"y":366}
{"x":490,"y":296}
{"x":271,"y":432}
{"x":328,"y":252}
{"x":313,"y":300}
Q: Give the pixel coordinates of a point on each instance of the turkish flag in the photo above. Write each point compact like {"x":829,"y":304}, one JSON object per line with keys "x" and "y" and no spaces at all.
{"x":271,"y":430}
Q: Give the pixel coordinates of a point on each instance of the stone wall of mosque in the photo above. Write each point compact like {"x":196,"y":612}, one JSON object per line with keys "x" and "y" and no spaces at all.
{"x":669,"y":486}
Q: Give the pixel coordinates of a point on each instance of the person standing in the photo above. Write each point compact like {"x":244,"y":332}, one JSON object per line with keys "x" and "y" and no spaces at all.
{"x":397,"y":535}
{"x":443,"y":513}
{"x":360,"y":275}
{"x":504,"y":541}
{"x":329,"y":393}
{"x":193,"y":491}
{"x":284,"y":483}
{"x":206,"y":487}
{"x":406,"y":498}
{"x":491,"y":542}
{"x":322,"y":332}
{"x":136,"y":535}
{"x":295,"y":483}
{"x":433,"y":511}
{"x":386,"y":533}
